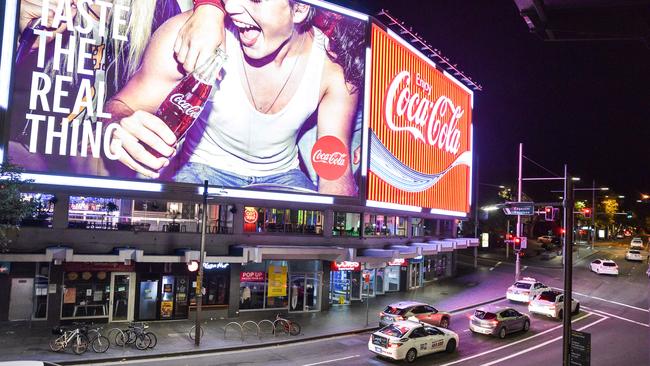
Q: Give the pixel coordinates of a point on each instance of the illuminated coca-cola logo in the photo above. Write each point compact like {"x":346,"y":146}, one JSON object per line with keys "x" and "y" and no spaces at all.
{"x":433,"y":123}
{"x":186,"y":107}
{"x":330,"y":158}
{"x":250,"y":215}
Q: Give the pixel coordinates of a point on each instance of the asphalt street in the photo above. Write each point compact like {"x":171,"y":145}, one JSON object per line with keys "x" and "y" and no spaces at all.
{"x":614,"y":309}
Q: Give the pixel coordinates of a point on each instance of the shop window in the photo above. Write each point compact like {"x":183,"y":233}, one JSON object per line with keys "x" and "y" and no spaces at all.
{"x":346,"y":224}
{"x":264,"y":286}
{"x":382,"y":225}
{"x":41,"y":283}
{"x":85,"y":294}
{"x":274,"y":220}
{"x":417,"y":227}
{"x":147,"y":215}
{"x":42,"y":209}
{"x":429,"y":227}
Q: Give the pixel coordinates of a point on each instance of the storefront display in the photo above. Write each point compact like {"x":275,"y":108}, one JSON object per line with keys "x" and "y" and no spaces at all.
{"x":415,"y":272}
{"x":437,"y":266}
{"x":341,"y":274}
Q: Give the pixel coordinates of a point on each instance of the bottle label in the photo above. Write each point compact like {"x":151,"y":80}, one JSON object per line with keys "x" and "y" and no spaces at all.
{"x":186,"y":107}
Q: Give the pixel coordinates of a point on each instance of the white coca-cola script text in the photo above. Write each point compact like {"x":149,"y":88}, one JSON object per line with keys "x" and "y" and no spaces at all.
{"x":335,"y":158}
{"x":186,"y":107}
{"x":440,"y":119}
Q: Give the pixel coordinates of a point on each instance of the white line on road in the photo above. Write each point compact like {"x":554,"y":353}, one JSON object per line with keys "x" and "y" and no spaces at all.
{"x":617,"y":317}
{"x":328,"y":361}
{"x":610,"y":301}
{"x":539,"y":345}
{"x":514,"y":343}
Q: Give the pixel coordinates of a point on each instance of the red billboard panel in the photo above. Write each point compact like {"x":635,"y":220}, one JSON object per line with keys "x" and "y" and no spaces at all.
{"x":420,"y":122}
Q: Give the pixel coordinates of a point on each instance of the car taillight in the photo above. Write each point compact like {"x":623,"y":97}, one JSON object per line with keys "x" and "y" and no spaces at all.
{"x":493,"y":323}
{"x":393,"y":345}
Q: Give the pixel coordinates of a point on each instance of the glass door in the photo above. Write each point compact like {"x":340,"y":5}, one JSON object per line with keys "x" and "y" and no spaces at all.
{"x":312,"y":291}
{"x":122,"y":297}
{"x":148,"y":300}
{"x":297,"y":292}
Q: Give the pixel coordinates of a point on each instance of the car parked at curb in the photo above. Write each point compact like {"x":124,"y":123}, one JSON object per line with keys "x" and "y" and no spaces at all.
{"x":408,"y":340}
{"x":423,"y":312}
{"x":498,"y":321}
{"x":633,"y":255}
{"x":604,"y":266}
{"x":551,"y":303}
{"x":524,"y":290}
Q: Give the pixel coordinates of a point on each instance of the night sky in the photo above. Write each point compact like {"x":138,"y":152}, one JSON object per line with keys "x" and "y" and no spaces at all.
{"x":583,"y":103}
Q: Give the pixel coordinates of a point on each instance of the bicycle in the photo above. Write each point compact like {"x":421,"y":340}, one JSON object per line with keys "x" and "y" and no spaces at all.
{"x":138,"y":335}
{"x":98,"y":342}
{"x":192,"y":332}
{"x":288,"y":326}
{"x":64,"y":337}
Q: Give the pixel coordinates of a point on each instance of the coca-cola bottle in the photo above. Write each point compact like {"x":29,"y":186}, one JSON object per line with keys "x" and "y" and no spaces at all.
{"x":184,"y":104}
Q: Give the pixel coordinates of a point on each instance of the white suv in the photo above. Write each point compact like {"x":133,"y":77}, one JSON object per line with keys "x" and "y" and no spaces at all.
{"x":636,"y":243}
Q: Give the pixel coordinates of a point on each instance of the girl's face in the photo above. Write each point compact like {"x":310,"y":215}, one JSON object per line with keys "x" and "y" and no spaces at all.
{"x":263,"y":25}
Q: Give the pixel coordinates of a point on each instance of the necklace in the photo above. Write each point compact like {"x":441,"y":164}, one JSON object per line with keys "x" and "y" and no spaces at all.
{"x":286,"y":81}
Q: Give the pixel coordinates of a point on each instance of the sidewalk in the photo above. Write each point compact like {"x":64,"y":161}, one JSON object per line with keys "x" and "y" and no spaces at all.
{"x":19,"y":341}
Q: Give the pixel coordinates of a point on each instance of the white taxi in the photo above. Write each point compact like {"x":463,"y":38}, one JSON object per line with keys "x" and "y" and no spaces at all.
{"x":407,"y":340}
{"x":524,"y":290}
{"x":604,"y":266}
{"x":551,"y":303}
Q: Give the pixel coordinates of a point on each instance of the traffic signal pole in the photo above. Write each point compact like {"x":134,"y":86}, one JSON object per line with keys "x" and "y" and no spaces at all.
{"x":568,"y":267}
{"x":518,"y":228}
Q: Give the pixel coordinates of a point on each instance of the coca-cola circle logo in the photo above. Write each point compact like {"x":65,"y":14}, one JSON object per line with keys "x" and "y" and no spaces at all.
{"x":330,"y":157}
{"x":250,"y":215}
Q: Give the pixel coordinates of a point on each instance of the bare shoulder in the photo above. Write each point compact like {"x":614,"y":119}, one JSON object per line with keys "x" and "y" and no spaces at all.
{"x":159,"y":57}
{"x":333,"y":77}
{"x":168,"y":31}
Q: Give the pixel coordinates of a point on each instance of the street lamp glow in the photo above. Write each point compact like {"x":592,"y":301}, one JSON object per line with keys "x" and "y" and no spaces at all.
{"x":638,"y":201}
{"x":575,"y":179}
{"x":621,"y":196}
{"x":644,"y":196}
{"x":604,"y":189}
{"x":490,"y":208}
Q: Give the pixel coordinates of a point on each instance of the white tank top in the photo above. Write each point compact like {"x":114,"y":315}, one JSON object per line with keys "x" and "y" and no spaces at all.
{"x":232,"y":135}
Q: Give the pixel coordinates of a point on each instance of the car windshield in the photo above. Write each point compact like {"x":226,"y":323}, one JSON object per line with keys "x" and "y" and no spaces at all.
{"x":394,"y":331}
{"x":636,"y":240}
{"x":548,"y":296}
{"x":394,"y":311}
{"x":634,"y":252}
{"x":609,"y":264}
{"x":485,"y":315}
{"x":524,"y":285}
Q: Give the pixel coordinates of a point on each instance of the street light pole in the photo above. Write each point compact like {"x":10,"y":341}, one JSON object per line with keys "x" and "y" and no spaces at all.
{"x":593,"y":213}
{"x":517,"y":260}
{"x":568,"y":267}
{"x":199,"y":275}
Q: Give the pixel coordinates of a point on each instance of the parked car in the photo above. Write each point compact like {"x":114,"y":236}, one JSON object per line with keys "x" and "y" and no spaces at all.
{"x":636,"y":243}
{"x":498,"y":321}
{"x":404,"y":310}
{"x":524,"y":290}
{"x":551,"y":303}
{"x":545,"y":239}
{"x":633,"y":255}
{"x":407,"y":340}
{"x":604,"y":266}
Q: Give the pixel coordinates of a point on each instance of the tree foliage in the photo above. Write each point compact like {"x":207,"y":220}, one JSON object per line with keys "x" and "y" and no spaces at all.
{"x":13,"y":208}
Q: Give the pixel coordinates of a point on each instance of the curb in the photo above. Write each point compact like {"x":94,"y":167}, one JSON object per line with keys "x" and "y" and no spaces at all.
{"x":251,"y":346}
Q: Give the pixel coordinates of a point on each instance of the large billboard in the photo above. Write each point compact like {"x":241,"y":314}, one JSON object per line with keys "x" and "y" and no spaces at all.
{"x":98,"y":90}
{"x":420,"y":138}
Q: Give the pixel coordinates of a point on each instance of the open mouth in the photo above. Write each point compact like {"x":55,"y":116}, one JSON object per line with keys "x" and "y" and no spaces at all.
{"x":248,"y":33}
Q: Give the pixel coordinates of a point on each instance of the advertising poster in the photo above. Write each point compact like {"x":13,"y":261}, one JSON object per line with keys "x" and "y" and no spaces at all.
{"x":277,"y":281}
{"x":166,"y":309}
{"x":97,"y":91}
{"x":420,"y":139}
{"x":70,"y":295}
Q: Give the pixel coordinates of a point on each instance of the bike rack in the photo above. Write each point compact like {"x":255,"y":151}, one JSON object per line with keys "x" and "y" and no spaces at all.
{"x":266,"y":321}
{"x":241,"y":330}
{"x":255,"y":325}
{"x":286,"y":326}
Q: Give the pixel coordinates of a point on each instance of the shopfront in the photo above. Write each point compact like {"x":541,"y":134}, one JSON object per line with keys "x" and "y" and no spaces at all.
{"x":437,"y":266}
{"x":415,"y":272}
{"x":295,"y":285}
{"x":342,"y":277}
{"x":101,"y":291}
{"x":393,"y":273}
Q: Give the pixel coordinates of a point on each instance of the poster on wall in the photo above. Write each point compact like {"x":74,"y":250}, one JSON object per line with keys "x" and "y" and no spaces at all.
{"x":277,"y":281}
{"x":420,"y":139}
{"x":98,"y":91}
{"x":70,"y":295}
{"x":166,"y":309}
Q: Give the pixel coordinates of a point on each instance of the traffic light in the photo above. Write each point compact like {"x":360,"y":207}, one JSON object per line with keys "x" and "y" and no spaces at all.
{"x":517,"y":244}
{"x":586,"y":212}
{"x":548,"y":213}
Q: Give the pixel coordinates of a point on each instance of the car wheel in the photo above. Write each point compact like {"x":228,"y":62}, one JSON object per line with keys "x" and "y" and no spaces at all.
{"x":502,"y":332}
{"x":444,"y":322}
{"x":577,"y":311}
{"x":526,"y":326}
{"x":451,"y":346}
{"x":411,"y":355}
{"x":561,"y":314}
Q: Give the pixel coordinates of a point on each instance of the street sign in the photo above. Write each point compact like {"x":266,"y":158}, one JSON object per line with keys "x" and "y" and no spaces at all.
{"x":519,"y":208}
{"x":485,"y":240}
{"x":580,"y":351}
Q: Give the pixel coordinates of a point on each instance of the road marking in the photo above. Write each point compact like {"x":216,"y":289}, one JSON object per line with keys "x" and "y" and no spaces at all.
{"x":610,"y":301}
{"x":539,"y":345}
{"x":516,"y":342}
{"x":617,"y":317}
{"x":328,"y":361}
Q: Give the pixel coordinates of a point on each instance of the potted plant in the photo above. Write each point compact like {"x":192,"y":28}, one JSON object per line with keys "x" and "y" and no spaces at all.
{"x":110,"y":208}
{"x":174,"y":226}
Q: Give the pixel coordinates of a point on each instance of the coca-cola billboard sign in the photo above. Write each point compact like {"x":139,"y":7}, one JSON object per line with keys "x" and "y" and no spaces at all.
{"x":420,"y":138}
{"x":330,"y":157}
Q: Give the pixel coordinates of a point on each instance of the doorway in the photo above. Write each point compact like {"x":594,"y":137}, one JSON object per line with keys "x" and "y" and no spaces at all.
{"x":122,"y":297}
{"x":304,"y":292}
{"x":148,"y":304}
{"x":21,"y":299}
{"x":415,"y":277}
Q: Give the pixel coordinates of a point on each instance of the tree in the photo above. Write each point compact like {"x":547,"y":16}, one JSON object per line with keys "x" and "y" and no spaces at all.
{"x":13,"y":208}
{"x":607,"y":214}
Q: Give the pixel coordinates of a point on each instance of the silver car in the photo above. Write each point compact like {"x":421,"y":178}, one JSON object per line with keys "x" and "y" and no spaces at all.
{"x":498,"y":321}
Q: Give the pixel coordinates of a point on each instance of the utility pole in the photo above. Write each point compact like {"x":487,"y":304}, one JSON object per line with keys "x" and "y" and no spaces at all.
{"x":518,"y":228}
{"x":507,"y":245}
{"x":568,"y":267}
{"x":593,"y":214}
{"x":199,"y":275}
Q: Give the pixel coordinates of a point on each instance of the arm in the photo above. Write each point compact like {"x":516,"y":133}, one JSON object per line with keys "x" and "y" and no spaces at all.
{"x":336,"y":113}
{"x":134,"y":105}
{"x":197,"y":40}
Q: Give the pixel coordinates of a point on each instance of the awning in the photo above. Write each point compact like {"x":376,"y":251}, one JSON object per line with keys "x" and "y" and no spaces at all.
{"x":444,"y":245}
{"x":406,"y":251}
{"x":272,"y":252}
{"x":461,"y":243}
{"x":427,"y":248}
